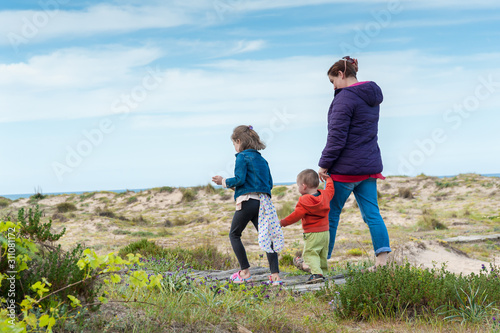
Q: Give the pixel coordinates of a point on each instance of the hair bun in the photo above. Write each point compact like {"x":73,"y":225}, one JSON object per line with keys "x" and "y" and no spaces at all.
{"x":352,"y":61}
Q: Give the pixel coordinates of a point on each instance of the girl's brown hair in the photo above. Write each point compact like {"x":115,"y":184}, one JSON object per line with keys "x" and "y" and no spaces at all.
{"x":346,"y":65}
{"x":248,"y":137}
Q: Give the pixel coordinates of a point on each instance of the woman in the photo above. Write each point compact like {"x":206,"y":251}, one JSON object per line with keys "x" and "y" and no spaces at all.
{"x":351,"y":155}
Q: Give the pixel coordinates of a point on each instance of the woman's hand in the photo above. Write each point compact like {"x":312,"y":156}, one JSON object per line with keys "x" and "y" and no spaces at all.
{"x":322,"y":172}
{"x":217,"y":180}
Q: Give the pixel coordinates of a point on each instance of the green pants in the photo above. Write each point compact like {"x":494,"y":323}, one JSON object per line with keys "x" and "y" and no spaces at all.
{"x":316,"y":251}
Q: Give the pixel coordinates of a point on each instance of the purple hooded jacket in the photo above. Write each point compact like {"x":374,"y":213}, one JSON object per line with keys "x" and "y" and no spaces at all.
{"x":351,"y":147}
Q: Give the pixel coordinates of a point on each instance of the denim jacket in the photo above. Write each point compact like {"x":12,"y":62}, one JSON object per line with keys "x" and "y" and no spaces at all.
{"x":251,"y":174}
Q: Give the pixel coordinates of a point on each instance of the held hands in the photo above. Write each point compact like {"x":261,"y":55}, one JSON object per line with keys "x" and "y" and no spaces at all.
{"x":322,"y":173}
{"x":217,"y":180}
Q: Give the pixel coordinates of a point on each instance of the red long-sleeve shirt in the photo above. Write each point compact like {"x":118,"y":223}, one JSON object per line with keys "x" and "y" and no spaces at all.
{"x":313,"y":210}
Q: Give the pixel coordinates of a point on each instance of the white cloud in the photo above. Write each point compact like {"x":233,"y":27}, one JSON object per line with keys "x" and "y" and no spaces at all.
{"x":21,"y":27}
{"x":75,"y":83}
{"x":28,"y":26}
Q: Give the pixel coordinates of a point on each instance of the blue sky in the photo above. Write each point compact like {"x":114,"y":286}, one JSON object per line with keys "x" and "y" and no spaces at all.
{"x":138,"y":94}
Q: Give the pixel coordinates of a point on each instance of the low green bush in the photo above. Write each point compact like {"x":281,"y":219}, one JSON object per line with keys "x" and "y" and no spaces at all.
{"x":200,"y":258}
{"x":396,"y":291}
{"x":279,"y":191}
{"x":4,"y":202}
{"x":143,"y":234}
{"x":405,"y":193}
{"x":285,"y":209}
{"x":428,"y":221}
{"x":33,"y":228}
{"x":132,"y":200}
{"x":188,"y":194}
{"x":167,"y":189}
{"x":65,"y":207}
{"x":61,"y":269}
{"x":286,"y":260}
{"x":106,"y":213}
{"x":121,"y":232}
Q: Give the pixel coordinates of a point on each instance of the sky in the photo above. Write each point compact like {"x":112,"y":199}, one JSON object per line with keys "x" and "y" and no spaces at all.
{"x":129,"y":94}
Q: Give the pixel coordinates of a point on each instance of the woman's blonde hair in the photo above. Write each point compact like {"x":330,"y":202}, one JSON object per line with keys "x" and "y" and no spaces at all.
{"x":249,"y":139}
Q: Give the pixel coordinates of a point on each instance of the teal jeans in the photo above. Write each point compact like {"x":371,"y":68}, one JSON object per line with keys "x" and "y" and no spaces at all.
{"x":365,"y":193}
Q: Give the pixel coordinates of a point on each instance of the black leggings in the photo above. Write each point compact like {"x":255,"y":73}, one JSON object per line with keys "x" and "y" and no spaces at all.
{"x":249,"y":212}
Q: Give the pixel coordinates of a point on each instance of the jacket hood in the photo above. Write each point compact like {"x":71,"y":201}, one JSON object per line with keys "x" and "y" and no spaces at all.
{"x":313,"y":202}
{"x":369,"y":92}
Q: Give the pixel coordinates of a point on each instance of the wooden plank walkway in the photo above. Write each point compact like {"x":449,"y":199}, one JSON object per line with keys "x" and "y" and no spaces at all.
{"x":470,"y":239}
{"x":261,"y":275}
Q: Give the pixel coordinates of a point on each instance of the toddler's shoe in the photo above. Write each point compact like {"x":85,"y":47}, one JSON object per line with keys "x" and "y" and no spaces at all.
{"x":315,"y":278}
{"x":236,"y":278}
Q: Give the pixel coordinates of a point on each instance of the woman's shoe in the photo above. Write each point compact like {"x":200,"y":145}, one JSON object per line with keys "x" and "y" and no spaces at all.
{"x":236,"y":278}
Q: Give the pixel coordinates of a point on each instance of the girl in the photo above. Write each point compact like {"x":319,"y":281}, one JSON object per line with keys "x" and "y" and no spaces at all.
{"x":252,"y":183}
{"x":352,"y":156}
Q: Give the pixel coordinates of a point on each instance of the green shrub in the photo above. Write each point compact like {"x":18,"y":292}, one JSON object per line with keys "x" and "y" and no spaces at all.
{"x":34,"y":229}
{"x":121,"y":232}
{"x":132,"y":200}
{"x":143,"y":234}
{"x":285,"y":209}
{"x":65,"y":207}
{"x":428,"y":221}
{"x":38,"y":195}
{"x":86,"y":196}
{"x":201,"y":258}
{"x":445,"y":183}
{"x":286,"y":260}
{"x":106,"y":213}
{"x":140,"y":220}
{"x":57,"y":266}
{"x":167,"y":189}
{"x":188,"y":194}
{"x":4,"y":202}
{"x":405,"y":193}
{"x":279,"y":191}
{"x":59,"y":217}
{"x":403,"y":291}
{"x":209,"y":189}
{"x":61,"y":269}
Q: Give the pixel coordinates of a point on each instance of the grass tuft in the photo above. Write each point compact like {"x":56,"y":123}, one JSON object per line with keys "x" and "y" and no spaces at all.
{"x":279,"y":192}
{"x":65,"y":207}
{"x":405,"y":193}
{"x":428,"y":221}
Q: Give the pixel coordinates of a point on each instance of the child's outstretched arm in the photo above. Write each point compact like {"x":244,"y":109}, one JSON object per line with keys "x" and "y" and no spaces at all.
{"x":240,"y":172}
{"x":295,"y":216}
{"x":329,"y":188}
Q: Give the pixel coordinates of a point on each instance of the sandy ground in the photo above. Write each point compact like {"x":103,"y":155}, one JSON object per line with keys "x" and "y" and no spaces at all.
{"x":465,"y":205}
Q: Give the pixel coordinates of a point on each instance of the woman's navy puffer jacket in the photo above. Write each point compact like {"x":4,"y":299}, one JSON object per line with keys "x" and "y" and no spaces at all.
{"x":351,"y":147}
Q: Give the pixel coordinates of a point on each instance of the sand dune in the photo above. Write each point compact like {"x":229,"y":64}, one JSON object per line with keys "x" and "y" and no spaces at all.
{"x":414,"y":210}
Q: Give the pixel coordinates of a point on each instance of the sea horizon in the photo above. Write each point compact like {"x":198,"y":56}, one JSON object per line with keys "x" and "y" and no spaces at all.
{"x":27,"y":195}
